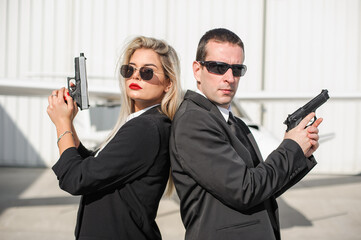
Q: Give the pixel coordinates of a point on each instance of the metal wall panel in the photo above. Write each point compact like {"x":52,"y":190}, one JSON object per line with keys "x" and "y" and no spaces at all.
{"x":41,"y":38}
{"x":304,"y":46}
{"x":314,"y":45}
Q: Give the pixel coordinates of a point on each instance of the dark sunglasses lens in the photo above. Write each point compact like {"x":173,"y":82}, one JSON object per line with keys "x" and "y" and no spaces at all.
{"x":238,"y":70}
{"x":243,"y":70}
{"x":222,"y":68}
{"x":126,"y":71}
{"x":217,"y":68}
{"x":146,"y":73}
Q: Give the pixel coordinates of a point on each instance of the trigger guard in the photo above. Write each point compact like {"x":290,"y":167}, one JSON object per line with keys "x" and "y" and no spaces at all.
{"x":310,"y":123}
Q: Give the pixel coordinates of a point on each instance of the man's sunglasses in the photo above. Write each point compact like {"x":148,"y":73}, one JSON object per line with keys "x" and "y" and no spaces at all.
{"x":145,"y":73}
{"x":221,"y":68}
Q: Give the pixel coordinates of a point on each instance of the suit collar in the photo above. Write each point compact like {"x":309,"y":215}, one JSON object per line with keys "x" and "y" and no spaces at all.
{"x":199,"y":100}
{"x":148,"y":110}
{"x":203,"y":102}
{"x":154,"y":109}
{"x":209,"y":106}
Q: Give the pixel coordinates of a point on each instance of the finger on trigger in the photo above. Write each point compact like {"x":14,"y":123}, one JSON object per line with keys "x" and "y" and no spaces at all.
{"x":306,"y":120}
{"x":69,"y":98}
{"x":70,"y":101}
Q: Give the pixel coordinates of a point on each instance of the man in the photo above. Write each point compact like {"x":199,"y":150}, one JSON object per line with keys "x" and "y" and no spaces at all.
{"x":226,"y":190}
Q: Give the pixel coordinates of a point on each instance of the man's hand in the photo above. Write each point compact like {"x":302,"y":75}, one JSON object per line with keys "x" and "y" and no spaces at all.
{"x":306,"y":136}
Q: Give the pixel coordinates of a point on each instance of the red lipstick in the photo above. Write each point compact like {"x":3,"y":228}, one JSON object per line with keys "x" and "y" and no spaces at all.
{"x":134,"y":86}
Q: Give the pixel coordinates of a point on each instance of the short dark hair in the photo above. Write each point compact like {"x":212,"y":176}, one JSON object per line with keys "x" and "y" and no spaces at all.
{"x":218,"y":35}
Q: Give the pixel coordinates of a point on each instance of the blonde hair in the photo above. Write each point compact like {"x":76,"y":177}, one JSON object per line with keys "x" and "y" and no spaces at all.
{"x":171,"y":100}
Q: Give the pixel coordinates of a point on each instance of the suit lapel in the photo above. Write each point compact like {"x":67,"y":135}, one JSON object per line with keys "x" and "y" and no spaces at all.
{"x":255,"y":146}
{"x":209,"y":106}
{"x":252,"y":141}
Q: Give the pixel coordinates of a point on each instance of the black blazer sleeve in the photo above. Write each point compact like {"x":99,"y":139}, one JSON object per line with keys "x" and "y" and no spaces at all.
{"x":126,"y":157}
{"x":84,"y":152}
{"x":297,"y":176}
{"x":206,"y":154}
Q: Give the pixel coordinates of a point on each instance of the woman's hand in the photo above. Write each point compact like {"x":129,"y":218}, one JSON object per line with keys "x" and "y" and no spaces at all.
{"x":61,"y":109}
{"x":306,"y":137}
{"x":69,"y":99}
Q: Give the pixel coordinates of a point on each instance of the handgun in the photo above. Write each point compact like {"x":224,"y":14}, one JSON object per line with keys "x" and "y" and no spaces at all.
{"x":295,"y":118}
{"x":78,"y":85}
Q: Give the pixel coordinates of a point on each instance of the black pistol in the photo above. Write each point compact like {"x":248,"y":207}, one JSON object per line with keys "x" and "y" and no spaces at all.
{"x":78,"y":85}
{"x":295,"y":118}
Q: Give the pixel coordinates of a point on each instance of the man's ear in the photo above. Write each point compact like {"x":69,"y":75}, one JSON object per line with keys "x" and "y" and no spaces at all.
{"x":197,"y":71}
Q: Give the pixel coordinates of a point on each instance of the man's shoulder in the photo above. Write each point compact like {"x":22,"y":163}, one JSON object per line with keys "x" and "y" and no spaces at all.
{"x":188,"y":108}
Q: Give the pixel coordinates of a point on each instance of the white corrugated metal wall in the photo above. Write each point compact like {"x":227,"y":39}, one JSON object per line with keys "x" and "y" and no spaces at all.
{"x":312,"y":45}
{"x":304,"y":46}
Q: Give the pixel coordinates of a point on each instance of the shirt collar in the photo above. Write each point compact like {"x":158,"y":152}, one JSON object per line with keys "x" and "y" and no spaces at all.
{"x":140,"y":112}
{"x":224,"y":111}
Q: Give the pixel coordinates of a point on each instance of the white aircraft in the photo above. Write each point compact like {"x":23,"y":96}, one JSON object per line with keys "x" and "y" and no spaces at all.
{"x":102,"y":96}
{"x":31,"y":87}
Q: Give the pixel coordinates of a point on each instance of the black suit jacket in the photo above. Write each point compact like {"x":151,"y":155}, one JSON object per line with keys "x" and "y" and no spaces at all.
{"x":223,"y":195}
{"x":122,"y":186}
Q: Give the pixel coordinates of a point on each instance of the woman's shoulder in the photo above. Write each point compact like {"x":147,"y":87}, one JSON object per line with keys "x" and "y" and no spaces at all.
{"x":153,"y":116}
{"x":152,"y":122}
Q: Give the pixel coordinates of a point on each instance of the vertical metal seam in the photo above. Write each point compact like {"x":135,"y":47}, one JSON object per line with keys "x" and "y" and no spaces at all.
{"x":264,"y":31}
{"x":30,"y":36}
{"x":53,"y":33}
{"x":42,"y":37}
{"x":359,"y":47}
{"x":6,"y":39}
{"x":167,"y":20}
{"x":18,"y":42}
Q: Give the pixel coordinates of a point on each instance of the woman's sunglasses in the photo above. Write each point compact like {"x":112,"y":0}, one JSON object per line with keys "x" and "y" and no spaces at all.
{"x":221,"y":68}
{"x":145,"y":73}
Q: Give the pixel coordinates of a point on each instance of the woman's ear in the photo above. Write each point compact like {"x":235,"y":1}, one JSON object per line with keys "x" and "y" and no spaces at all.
{"x":169,"y":86}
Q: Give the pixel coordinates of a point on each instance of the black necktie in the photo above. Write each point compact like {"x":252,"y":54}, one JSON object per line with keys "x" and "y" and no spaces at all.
{"x":241,"y":134}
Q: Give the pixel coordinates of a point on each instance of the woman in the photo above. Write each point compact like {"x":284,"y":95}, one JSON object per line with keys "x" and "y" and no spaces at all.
{"x":122,"y":183}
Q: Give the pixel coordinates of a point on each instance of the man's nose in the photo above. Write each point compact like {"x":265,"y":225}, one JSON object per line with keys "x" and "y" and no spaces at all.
{"x":228,"y":76}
